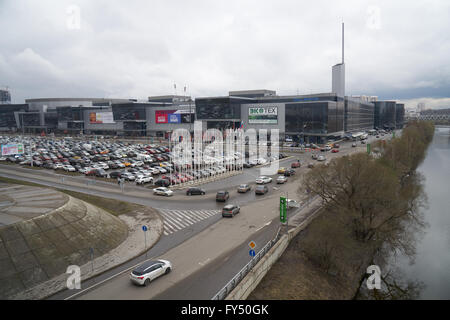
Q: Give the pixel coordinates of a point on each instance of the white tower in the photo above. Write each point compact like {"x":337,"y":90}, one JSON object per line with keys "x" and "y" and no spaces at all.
{"x":338,"y":73}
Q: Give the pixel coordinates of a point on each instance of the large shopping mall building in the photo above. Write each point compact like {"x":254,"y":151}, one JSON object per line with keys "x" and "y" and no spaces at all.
{"x":313,"y":117}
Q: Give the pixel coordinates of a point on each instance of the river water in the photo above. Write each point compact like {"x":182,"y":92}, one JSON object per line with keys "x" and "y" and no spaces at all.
{"x":432,"y":260}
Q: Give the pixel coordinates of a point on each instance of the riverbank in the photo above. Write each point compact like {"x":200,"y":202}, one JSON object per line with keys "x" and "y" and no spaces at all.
{"x":370,"y":207}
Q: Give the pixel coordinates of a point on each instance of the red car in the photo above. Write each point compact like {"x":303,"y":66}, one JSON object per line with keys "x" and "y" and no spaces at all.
{"x":295,"y":164}
{"x":335,"y":150}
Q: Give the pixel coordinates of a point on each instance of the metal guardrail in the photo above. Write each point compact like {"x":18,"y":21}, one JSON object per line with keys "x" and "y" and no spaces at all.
{"x":246,"y":269}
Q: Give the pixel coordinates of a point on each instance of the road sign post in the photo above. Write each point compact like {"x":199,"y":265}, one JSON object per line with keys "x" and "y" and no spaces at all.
{"x":283,"y":209}
{"x":368,"y":148}
{"x":144,"y":228}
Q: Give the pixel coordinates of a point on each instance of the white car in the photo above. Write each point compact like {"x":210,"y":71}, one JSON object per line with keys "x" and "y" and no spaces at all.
{"x":321,"y":158}
{"x":69,"y":168}
{"x":163,"y":191}
{"x":261,"y":161}
{"x":149,"y":271}
{"x":263,"y":180}
{"x":144,"y":179}
{"x":291,"y":203}
{"x":58,"y":166}
{"x":154,"y":171}
{"x":162,"y":170}
{"x":281,"y":179}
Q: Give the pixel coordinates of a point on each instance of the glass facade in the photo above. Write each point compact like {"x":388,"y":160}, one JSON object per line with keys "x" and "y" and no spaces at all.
{"x":385,"y":114}
{"x":399,"y":115}
{"x":129,"y":111}
{"x":31,"y":119}
{"x":5,"y":97}
{"x":69,"y":113}
{"x":219,"y":108}
{"x":359,"y":116}
{"x":7,"y":118}
{"x":308,"y":118}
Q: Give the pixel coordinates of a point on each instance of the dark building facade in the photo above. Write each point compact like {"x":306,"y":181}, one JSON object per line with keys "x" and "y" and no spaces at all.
{"x":399,"y":115}
{"x":9,"y":116}
{"x":359,"y":115}
{"x":385,"y":114}
{"x":5,"y":97}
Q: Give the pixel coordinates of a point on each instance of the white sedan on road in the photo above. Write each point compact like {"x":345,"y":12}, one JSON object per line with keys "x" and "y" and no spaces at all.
{"x":163,"y":191}
{"x":263,"y":180}
{"x":149,"y":271}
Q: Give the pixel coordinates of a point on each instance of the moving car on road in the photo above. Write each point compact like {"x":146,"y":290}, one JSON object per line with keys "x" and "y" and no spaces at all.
{"x":243,"y":188}
{"x":263,"y":180}
{"x":163,"y":191}
{"x":261,"y":189}
{"x":222,"y":195}
{"x":230,"y":210}
{"x":149,"y":271}
{"x":296,"y":164}
{"x":281,"y":179}
{"x":193,"y":191}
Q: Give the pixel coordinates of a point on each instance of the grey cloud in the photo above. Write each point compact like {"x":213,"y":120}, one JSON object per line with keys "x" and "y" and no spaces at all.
{"x":139,"y":48}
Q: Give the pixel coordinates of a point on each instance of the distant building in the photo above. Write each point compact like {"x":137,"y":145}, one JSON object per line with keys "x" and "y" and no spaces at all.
{"x":5,"y":96}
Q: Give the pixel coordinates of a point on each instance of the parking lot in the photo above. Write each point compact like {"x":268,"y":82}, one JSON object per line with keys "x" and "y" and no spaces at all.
{"x":149,"y":165}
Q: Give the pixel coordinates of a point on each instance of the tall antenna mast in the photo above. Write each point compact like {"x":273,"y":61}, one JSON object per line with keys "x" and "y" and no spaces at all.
{"x":342,"y":42}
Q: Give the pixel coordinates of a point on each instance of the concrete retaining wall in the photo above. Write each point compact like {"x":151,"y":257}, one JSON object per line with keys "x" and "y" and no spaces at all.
{"x":254,"y":277}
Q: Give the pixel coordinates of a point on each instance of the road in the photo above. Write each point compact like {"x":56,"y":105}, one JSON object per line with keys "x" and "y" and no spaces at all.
{"x":205,"y":254}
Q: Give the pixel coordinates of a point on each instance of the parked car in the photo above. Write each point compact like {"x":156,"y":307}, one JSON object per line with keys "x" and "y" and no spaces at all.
{"x":354,"y":144}
{"x":314,"y":156}
{"x":230,"y":210}
{"x":281,"y":180}
{"x":195,"y":191}
{"x":144,"y":179}
{"x":149,"y":271}
{"x":261,"y":189}
{"x":163,"y":191}
{"x":243,"y":188}
{"x":263,"y":180}
{"x":321,"y":158}
{"x":222,"y":196}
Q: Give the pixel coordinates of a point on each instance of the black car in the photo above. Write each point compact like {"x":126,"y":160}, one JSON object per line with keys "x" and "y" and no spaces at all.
{"x":222,"y":196}
{"x":115,"y":174}
{"x":289,"y":172}
{"x":100,"y":173}
{"x":162,"y":183}
{"x":195,"y":191}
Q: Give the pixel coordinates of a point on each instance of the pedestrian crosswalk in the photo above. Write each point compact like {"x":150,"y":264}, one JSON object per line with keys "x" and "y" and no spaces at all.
{"x":175,"y":220}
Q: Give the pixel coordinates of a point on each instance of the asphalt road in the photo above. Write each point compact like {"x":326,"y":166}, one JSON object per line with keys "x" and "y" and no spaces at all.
{"x":210,"y":275}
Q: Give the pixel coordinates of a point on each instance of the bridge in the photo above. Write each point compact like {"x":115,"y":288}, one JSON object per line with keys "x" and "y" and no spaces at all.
{"x":438,"y":117}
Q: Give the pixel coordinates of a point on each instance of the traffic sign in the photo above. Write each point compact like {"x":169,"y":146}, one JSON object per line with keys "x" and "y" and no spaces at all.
{"x":144,"y":228}
{"x":283,"y":209}
{"x":252,"y":253}
{"x":252,"y":244}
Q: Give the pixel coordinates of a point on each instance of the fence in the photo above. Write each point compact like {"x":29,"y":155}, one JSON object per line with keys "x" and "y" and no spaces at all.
{"x":246,"y":269}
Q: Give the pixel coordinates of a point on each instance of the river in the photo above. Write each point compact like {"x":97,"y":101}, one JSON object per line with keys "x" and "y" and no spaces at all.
{"x":432,"y":260}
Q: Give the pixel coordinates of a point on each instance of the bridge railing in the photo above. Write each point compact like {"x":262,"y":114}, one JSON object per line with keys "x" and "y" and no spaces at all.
{"x":222,"y":294}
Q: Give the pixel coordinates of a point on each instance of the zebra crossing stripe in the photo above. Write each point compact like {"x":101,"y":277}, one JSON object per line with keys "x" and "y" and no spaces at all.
{"x":181,"y":219}
{"x":202,"y":214}
{"x":194,"y":216}
{"x":184,"y":216}
{"x":173,"y":222}
{"x":171,"y":228}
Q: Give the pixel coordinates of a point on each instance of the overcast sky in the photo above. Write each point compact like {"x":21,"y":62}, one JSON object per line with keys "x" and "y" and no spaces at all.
{"x":133,"y":49}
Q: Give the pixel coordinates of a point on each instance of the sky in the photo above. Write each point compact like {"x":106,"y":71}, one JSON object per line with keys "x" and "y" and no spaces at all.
{"x":134,"y":49}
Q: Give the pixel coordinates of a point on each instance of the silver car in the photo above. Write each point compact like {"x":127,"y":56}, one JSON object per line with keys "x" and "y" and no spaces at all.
{"x":149,"y":271}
